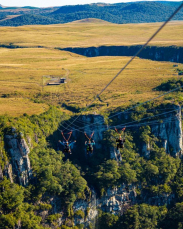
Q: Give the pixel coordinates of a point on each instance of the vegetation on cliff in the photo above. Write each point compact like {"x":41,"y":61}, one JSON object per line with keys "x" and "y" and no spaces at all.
{"x":51,"y":175}
{"x":56,"y":182}
{"x":54,"y":177}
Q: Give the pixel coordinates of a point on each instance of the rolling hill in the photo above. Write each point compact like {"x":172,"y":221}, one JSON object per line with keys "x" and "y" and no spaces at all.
{"x":29,"y":19}
{"x":121,"y":13}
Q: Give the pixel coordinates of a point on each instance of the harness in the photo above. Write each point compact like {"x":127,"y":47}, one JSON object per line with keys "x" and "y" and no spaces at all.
{"x":120,"y":141}
{"x":67,"y":147}
{"x":122,"y":131}
{"x":89,"y":138}
{"x":89,"y":145}
{"x":70,"y":133}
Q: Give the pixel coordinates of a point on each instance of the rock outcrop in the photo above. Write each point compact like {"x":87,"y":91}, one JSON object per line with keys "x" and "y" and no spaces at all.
{"x":1,"y":174}
{"x":98,"y":128}
{"x":170,"y":132}
{"x":89,"y":208}
{"x":118,"y":199}
{"x":19,"y":152}
{"x":169,"y":53}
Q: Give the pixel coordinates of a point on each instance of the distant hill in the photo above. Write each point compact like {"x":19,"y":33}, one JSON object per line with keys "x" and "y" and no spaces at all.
{"x":30,"y":7}
{"x":29,"y":19}
{"x":91,"y":20}
{"x":137,"y":12}
{"x":134,"y":12}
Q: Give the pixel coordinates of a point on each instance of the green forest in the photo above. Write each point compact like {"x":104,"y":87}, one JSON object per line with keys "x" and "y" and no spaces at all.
{"x":70,"y":180}
{"x":42,"y":185}
{"x":121,"y":13}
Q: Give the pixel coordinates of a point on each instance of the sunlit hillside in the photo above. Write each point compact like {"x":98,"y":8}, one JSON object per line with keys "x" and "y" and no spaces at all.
{"x":91,"y":34}
{"x":23,"y":70}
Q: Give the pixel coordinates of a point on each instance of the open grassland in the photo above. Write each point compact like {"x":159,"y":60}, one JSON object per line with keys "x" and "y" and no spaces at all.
{"x":18,"y":106}
{"x":92,"y":33}
{"x":22,"y":71}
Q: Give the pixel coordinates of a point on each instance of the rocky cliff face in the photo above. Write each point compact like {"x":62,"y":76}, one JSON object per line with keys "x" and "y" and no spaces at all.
{"x":98,"y":128}
{"x":19,"y":151}
{"x":171,"y":53}
{"x":8,"y":172}
{"x":169,"y":133}
{"x":1,"y":174}
{"x":116,"y":200}
{"x":90,"y":208}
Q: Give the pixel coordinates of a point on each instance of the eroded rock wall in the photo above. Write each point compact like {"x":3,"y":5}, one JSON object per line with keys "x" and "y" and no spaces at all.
{"x":170,"y":132}
{"x":89,"y":124}
{"x":19,"y":152}
{"x":169,"y":53}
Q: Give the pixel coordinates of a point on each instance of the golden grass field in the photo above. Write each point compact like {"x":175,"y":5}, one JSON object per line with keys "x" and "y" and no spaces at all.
{"x":92,"y":33}
{"x":22,"y":70}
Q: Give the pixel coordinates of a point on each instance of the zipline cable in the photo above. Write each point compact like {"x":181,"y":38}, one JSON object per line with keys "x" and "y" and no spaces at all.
{"x":125,"y":124}
{"x":147,"y":123}
{"x":175,"y":89}
{"x":138,"y":52}
{"x":126,"y":112}
{"x":153,"y":122}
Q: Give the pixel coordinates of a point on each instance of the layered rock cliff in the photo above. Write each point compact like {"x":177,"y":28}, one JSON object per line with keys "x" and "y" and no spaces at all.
{"x":19,"y":152}
{"x":169,"y":53}
{"x":169,"y":134}
{"x":90,"y":124}
{"x":115,"y":200}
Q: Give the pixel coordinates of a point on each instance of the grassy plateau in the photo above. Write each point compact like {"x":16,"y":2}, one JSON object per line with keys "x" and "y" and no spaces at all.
{"x":22,"y":71}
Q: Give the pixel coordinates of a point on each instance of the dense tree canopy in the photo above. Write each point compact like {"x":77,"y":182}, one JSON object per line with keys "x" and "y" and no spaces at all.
{"x":157,"y":175}
{"x":115,"y":13}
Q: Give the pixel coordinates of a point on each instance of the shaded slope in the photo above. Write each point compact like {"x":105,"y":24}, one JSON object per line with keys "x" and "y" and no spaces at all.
{"x":134,"y":12}
{"x":29,"y":19}
{"x":119,"y":13}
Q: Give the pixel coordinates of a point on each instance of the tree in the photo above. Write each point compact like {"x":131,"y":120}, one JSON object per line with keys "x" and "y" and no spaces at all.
{"x":174,"y":218}
{"x":141,"y":216}
{"x":150,"y":171}
{"x":11,"y":196}
{"x":128,"y":175}
{"x":107,"y":175}
{"x":107,"y":220}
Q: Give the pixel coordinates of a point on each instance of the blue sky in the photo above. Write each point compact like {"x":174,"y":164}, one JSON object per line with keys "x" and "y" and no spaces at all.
{"x":46,"y":3}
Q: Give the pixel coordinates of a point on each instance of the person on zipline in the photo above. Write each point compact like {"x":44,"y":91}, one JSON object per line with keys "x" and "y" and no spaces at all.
{"x":67,"y":146}
{"x":120,"y":141}
{"x":89,"y":144}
